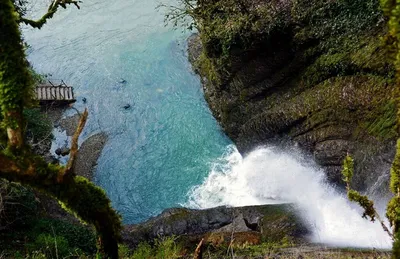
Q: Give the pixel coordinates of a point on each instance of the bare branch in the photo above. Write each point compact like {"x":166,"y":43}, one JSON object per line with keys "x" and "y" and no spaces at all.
{"x":198,"y":253}
{"x":74,"y":145}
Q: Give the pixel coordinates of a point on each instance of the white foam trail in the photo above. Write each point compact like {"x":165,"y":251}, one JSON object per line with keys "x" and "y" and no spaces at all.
{"x":268,"y":176}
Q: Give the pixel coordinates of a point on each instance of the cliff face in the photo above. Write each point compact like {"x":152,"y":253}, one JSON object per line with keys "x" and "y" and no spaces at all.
{"x":309,"y":72}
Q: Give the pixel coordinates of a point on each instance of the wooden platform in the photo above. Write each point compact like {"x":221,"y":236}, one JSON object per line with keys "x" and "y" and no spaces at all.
{"x":55,"y":93}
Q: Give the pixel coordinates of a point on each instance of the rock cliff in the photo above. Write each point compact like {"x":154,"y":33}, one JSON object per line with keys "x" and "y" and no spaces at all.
{"x":251,"y":224}
{"x":310,"y":72}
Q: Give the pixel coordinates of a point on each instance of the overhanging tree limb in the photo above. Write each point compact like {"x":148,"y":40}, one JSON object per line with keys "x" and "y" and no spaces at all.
{"x":362,"y":200}
{"x":87,"y":201}
{"x":52,"y":9}
{"x":74,"y":145}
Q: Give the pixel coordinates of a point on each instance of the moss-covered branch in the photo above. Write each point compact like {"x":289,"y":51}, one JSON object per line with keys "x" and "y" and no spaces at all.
{"x":52,"y":9}
{"x":362,"y":200}
{"x":87,"y":201}
{"x":355,"y":196}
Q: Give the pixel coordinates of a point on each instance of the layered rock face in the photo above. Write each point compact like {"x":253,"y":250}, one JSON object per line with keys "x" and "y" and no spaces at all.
{"x":252,"y":224}
{"x":309,"y":72}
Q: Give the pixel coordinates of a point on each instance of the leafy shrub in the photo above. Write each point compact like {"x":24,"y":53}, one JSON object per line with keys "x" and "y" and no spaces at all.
{"x":51,"y":246}
{"x":38,"y":125}
{"x":163,"y":248}
{"x":18,"y":206}
{"x":77,"y":237}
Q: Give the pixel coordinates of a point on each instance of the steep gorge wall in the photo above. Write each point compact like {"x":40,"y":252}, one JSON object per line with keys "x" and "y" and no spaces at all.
{"x":309,"y":72}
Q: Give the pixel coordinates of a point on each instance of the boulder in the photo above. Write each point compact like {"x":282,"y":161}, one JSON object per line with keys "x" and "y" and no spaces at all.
{"x":216,"y":225}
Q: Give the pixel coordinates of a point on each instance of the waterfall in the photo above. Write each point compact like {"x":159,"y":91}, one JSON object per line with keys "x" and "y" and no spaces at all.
{"x":269,"y":175}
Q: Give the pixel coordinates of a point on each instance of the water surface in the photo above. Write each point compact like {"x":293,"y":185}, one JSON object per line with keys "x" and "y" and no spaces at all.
{"x":118,"y":53}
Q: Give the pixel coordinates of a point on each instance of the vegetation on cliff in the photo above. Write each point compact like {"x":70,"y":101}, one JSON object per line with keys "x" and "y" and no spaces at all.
{"x":17,"y":161}
{"x":391,"y":10}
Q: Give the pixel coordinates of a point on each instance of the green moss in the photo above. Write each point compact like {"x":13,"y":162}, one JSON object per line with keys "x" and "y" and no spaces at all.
{"x":16,"y":84}
{"x":178,"y":215}
{"x":207,"y":68}
{"x":228,"y":28}
{"x":383,"y":123}
{"x":348,"y":55}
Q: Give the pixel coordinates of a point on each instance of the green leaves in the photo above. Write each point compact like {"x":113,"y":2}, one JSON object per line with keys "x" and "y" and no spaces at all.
{"x":362,"y":200}
{"x":348,"y":169}
{"x":395,"y":172}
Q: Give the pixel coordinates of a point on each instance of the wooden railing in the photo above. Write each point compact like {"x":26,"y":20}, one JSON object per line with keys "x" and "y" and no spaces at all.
{"x":51,"y":92}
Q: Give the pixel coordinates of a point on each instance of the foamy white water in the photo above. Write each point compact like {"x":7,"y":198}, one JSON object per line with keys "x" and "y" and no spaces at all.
{"x":268,"y":175}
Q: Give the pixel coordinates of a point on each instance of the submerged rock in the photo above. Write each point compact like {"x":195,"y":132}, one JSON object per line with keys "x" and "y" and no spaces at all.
{"x":272,"y":223}
{"x":88,"y":154}
{"x":127,"y":106}
{"x":63,"y":151}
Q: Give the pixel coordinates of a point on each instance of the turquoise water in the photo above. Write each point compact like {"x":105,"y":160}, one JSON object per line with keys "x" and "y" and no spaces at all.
{"x":164,"y":144}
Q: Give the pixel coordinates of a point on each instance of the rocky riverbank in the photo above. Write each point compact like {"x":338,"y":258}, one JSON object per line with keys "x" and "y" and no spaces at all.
{"x":90,"y":149}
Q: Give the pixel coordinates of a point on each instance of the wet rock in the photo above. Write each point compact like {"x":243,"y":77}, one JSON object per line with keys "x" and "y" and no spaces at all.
{"x":69,"y":124}
{"x":88,"y":154}
{"x":63,"y":151}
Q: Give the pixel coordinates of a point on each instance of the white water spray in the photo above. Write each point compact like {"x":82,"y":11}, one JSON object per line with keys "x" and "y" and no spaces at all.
{"x":268,"y":176}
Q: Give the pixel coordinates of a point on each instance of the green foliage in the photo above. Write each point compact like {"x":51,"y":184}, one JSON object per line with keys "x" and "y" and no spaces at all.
{"x":51,"y":246}
{"x":392,"y":10}
{"x":230,"y":27}
{"x":18,"y":208}
{"x":393,"y":207}
{"x":16,"y":85}
{"x":344,"y":16}
{"x":362,"y":200}
{"x":348,"y":169}
{"x":18,"y":164}
{"x":163,"y":248}
{"x":395,"y":172}
{"x":77,"y":237}
{"x":23,"y":224}
{"x":144,"y":250}
{"x":38,"y":124}
{"x":20,"y":6}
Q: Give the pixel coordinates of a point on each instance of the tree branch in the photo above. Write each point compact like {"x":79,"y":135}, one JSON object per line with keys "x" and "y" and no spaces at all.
{"x":78,"y":194}
{"x":50,"y":12}
{"x":74,"y":145}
